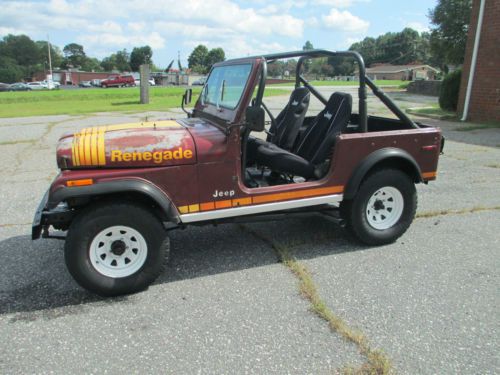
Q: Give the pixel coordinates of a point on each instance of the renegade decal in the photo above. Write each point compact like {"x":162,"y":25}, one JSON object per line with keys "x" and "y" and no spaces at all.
{"x":156,"y":156}
{"x":88,"y":146}
{"x":265,"y":198}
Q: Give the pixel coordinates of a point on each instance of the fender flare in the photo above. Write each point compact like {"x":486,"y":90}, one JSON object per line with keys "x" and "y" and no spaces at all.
{"x":374,"y":158}
{"x":122,"y":186}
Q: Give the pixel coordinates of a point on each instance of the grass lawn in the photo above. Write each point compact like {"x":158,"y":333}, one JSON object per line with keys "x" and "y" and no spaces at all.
{"x":395,"y":83}
{"x":71,"y":102}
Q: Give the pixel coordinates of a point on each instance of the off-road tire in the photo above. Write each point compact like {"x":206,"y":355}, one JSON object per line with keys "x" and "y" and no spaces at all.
{"x":95,"y":219}
{"x":354,"y":211}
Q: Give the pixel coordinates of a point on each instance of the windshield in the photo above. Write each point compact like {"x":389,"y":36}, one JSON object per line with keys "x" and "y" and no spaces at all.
{"x":225,"y":85}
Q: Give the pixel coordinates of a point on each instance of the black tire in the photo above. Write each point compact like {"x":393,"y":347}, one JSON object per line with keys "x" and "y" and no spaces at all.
{"x":354,"y":212}
{"x":93,"y":221}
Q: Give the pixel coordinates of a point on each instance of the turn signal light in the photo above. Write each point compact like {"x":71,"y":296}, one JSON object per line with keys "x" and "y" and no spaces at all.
{"x":84,"y":182}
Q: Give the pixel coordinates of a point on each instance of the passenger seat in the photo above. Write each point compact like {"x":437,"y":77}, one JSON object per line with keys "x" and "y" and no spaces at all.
{"x":316,"y":145}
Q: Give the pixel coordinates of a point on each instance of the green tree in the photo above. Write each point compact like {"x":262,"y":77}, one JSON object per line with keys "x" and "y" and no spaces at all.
{"x":276,"y":68}
{"x":122,"y":60}
{"x":307,"y":47}
{"x":449,"y":91}
{"x":108,"y":64}
{"x":43,"y":53}
{"x":74,"y":55}
{"x":368,"y":49}
{"x":341,"y":66}
{"x":449,"y":36}
{"x":404,"y":47}
{"x":10,"y":71}
{"x":291,"y":67}
{"x":116,"y":61}
{"x":19,"y":57}
{"x":214,"y":56}
{"x":20,"y":48}
{"x":198,"y":58}
{"x":92,"y":64}
{"x":139,"y":56}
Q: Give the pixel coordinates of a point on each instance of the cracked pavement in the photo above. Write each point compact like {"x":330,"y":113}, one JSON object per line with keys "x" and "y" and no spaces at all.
{"x":225,"y":305}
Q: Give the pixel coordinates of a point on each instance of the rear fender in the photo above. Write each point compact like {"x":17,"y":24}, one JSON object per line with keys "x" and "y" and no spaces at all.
{"x":393,"y":157}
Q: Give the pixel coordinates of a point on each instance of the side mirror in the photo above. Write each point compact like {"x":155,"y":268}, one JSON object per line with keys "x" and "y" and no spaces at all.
{"x":186,"y":98}
{"x":255,"y":118}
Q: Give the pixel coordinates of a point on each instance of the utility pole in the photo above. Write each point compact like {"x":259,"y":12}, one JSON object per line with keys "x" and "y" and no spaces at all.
{"x":50,"y":81}
{"x":144,"y":73}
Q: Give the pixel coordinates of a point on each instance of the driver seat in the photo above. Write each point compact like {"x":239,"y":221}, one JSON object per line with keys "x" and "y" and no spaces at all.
{"x":285,"y":128}
{"x":315,"y":147}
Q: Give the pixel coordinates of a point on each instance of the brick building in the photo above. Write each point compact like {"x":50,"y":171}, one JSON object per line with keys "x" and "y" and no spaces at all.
{"x":67,"y":77}
{"x":484,"y":104}
{"x":403,"y":72}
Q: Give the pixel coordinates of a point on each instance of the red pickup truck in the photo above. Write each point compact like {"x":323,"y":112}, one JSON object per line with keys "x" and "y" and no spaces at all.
{"x":122,"y":188}
{"x":118,"y":81}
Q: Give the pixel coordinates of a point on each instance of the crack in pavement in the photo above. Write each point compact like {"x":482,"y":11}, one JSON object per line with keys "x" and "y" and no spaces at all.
{"x":8,"y":225}
{"x":376,"y":360}
{"x":463,"y":211}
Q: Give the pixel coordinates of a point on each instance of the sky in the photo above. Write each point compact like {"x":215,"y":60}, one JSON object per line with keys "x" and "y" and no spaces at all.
{"x":241,"y":28}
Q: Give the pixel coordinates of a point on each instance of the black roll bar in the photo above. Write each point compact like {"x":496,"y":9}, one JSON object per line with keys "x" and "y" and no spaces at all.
{"x":363,"y":119}
{"x":363,"y":82}
{"x":389,"y":103}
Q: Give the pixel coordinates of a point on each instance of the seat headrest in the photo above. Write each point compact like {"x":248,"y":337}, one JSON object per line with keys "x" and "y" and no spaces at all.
{"x":336,"y":102}
{"x":298,"y":95}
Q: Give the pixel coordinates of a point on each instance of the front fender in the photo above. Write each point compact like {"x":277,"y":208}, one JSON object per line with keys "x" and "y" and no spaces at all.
{"x":112,"y":187}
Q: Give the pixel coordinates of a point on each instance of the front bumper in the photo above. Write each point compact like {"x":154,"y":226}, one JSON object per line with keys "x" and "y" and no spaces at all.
{"x":45,"y":217}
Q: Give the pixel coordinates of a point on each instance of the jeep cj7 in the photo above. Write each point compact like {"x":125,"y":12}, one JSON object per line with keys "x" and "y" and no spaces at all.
{"x":121,"y":188}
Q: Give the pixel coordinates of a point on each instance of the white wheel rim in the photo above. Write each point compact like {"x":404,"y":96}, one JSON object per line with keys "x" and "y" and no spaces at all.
{"x":118,"y":251}
{"x":384,"y":208}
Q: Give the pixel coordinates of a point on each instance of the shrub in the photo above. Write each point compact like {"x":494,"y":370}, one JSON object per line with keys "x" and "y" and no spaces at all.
{"x":450,"y":88}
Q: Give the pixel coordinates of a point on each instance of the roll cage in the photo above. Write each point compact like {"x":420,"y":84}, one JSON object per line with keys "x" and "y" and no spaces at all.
{"x":363,"y":82}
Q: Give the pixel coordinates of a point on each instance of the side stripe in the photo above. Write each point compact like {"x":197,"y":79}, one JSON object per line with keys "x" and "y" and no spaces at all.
{"x":260,"y":199}
{"x":259,"y":208}
{"x":428,"y":175}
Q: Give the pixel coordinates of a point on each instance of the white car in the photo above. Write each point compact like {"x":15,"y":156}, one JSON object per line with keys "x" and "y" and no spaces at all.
{"x":56,"y":85}
{"x":37,"y":86}
{"x":151,"y":82}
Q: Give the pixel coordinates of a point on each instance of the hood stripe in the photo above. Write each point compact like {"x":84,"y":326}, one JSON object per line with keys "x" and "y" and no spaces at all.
{"x":89,"y":148}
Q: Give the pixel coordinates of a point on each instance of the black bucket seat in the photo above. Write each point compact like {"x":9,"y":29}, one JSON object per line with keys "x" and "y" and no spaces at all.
{"x":315,"y":146}
{"x":285,"y":128}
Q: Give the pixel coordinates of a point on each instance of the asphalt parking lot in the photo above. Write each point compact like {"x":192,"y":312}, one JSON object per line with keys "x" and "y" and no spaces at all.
{"x":227,"y":305}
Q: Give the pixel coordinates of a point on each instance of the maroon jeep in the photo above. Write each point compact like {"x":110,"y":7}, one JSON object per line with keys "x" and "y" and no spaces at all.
{"x":123,"y":187}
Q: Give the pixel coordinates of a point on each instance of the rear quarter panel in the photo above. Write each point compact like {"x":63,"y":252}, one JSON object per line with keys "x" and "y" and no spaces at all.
{"x":352,"y":149}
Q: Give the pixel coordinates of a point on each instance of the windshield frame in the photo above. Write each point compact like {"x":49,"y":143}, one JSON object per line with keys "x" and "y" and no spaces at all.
{"x":226,"y":116}
{"x":204,"y":91}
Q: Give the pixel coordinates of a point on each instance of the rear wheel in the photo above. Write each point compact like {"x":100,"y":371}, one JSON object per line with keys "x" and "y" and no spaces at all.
{"x":116,"y":249}
{"x":383,"y":208}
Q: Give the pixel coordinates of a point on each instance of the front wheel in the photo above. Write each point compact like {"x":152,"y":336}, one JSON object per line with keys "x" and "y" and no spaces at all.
{"x":116,"y":249}
{"x":383,"y":208}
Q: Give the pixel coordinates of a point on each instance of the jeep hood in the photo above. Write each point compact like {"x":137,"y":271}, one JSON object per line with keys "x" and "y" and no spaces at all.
{"x":141,"y":144}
